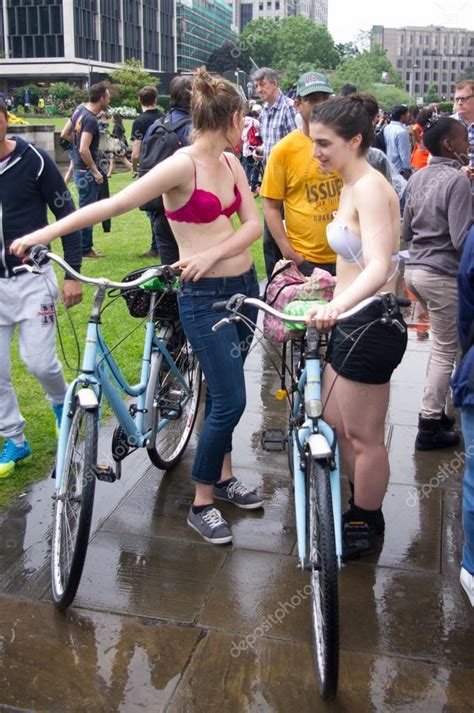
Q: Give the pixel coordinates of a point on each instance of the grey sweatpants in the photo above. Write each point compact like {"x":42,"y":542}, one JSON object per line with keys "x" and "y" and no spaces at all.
{"x":28,"y":301}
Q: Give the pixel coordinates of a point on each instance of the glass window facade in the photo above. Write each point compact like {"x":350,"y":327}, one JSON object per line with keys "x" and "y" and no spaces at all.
{"x":202,"y":26}
{"x":131,"y":31}
{"x":110,"y":31}
{"x":246,"y":13}
{"x":35,"y":28}
{"x":85,"y":40}
{"x":167,"y":53}
{"x":151,"y":45}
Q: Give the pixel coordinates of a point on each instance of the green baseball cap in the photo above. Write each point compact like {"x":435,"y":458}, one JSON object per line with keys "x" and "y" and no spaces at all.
{"x":311,"y":82}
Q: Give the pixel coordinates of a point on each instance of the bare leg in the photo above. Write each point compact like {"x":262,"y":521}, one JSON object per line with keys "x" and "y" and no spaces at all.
{"x":333,"y":417}
{"x":204,"y":494}
{"x":111,"y":166}
{"x":362,"y":409}
{"x":69,"y":171}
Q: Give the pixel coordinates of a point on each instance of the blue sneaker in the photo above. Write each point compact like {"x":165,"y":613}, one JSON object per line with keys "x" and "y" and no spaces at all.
{"x":11,"y":455}
{"x":58,"y":412}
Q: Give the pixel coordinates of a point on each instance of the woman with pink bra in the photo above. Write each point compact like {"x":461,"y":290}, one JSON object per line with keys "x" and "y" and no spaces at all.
{"x":362,"y":352}
{"x":202,"y":187}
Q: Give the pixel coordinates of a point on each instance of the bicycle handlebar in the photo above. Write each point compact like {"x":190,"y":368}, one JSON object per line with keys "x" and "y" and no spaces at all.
{"x":38,"y":255}
{"x":237,"y":301}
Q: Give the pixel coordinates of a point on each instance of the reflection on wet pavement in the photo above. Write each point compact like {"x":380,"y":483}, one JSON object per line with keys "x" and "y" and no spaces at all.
{"x":165,"y":622}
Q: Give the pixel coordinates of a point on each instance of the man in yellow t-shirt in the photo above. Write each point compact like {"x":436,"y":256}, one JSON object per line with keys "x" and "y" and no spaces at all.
{"x":293,"y":178}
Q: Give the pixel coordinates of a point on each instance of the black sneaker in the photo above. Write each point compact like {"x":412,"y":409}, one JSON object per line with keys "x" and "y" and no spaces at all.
{"x":358,"y":539}
{"x":237,"y":494}
{"x":433,"y":436}
{"x":351,"y":515}
{"x":447,"y":422}
{"x":210,"y":524}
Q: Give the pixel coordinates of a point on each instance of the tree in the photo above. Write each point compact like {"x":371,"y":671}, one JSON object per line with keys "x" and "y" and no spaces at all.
{"x":389,"y":96}
{"x":468,"y":73}
{"x":294,"y":42}
{"x":366,"y":70}
{"x":129,"y":79}
{"x":432,"y":97}
{"x":228,"y":56}
{"x":346,"y":50}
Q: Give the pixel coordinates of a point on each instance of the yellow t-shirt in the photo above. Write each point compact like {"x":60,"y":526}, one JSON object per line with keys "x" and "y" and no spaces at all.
{"x":310,"y":196}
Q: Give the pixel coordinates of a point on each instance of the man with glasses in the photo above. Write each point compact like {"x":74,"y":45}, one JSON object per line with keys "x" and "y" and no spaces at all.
{"x":294,"y":180}
{"x":464,"y":112}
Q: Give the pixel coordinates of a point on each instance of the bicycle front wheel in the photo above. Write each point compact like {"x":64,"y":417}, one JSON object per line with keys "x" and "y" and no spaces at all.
{"x":171,"y":400}
{"x":73,"y":508}
{"x":323,"y":578}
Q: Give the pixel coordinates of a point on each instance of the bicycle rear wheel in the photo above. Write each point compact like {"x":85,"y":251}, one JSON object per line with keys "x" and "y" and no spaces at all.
{"x":168,"y":399}
{"x":323,"y":578}
{"x":73,"y":508}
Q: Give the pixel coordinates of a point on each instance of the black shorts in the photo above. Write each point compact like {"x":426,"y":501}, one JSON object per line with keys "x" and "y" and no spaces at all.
{"x":375,"y":351}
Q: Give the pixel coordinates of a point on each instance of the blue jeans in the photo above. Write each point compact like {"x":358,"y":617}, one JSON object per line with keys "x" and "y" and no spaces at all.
{"x":221,"y":355}
{"x":88,"y":190}
{"x":467,"y":420}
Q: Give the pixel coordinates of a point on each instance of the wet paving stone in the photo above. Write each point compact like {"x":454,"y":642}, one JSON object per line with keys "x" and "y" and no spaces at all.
{"x":415,"y":615}
{"x":81,"y":661}
{"x":261,"y":678}
{"x":452,"y":534}
{"x":153,"y":577}
{"x":160,"y":510}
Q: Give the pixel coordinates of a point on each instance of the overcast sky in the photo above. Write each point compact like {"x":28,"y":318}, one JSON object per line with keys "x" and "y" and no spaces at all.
{"x":347,"y":17}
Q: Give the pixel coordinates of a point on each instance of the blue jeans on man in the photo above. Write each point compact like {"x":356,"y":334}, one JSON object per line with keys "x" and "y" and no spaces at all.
{"x":467,"y":419}
{"x":88,"y":190}
{"x":221,"y":355}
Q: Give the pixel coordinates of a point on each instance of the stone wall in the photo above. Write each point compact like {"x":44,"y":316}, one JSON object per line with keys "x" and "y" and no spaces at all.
{"x":41,"y":135}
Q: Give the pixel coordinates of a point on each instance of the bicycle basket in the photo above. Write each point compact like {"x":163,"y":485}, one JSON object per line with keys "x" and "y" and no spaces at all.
{"x":138,"y":300}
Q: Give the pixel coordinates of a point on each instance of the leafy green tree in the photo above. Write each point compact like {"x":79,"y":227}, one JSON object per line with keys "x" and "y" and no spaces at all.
{"x":432,"y":97}
{"x":468,"y":73}
{"x":346,"y":50}
{"x":258,"y":40}
{"x":365,"y":70}
{"x":127,"y":81}
{"x":388,"y":96}
{"x":293,"y":45}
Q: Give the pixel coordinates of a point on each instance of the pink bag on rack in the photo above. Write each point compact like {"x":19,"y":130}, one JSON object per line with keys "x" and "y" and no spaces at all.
{"x":286,"y":284}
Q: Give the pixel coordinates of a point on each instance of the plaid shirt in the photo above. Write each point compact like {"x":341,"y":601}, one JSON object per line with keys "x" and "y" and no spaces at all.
{"x":276,"y":122}
{"x":469,"y":127}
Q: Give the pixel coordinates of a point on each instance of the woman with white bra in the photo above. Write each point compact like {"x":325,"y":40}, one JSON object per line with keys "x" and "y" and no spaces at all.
{"x":362,"y":352}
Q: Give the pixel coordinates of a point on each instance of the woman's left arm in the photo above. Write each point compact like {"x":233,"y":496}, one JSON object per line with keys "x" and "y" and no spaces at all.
{"x":250,"y":229}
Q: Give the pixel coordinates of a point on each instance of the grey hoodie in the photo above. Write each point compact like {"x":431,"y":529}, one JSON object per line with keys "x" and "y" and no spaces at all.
{"x":438,"y":213}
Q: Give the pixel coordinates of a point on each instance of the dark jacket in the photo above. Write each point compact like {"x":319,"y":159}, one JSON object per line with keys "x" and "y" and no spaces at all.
{"x":463,"y":381}
{"x":29,"y":183}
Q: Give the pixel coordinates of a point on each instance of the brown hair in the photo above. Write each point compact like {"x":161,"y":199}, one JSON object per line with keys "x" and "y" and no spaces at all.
{"x":180,"y":93}
{"x":466,"y":83}
{"x":214,"y":101}
{"x":148,"y":96}
{"x":3,"y":109}
{"x":97,"y":91}
{"x":349,"y":116}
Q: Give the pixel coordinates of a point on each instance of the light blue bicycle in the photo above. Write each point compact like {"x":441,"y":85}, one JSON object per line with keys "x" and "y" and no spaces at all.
{"x":314,"y":463}
{"x":160,"y":417}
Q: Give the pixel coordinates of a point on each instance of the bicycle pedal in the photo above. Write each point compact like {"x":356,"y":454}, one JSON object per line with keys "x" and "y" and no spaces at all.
{"x":104,"y":472}
{"x":273,"y":439}
{"x":170,"y":405}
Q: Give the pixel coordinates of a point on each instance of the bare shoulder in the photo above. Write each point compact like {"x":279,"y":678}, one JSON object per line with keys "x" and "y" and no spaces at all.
{"x":372,"y":186}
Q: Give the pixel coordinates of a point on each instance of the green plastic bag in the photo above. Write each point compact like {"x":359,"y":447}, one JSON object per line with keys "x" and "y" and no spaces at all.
{"x":298,"y":308}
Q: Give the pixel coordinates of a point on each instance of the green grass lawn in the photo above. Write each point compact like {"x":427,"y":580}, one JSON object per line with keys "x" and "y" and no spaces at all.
{"x":130,"y":236}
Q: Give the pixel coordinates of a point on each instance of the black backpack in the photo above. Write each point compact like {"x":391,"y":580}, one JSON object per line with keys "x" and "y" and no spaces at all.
{"x":159,"y":142}
{"x":379,"y":142}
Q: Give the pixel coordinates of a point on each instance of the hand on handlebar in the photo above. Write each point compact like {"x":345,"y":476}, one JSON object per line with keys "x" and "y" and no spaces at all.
{"x":323,"y":317}
{"x":20,"y":246}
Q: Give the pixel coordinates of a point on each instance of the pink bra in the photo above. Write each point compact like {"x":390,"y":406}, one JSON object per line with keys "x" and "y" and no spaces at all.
{"x":204,"y":206}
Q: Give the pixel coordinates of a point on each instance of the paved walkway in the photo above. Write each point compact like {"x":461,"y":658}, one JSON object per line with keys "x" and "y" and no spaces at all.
{"x":165,"y":622}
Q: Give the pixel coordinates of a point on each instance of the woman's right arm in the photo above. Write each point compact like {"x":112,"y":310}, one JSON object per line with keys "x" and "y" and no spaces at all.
{"x":167,"y":175}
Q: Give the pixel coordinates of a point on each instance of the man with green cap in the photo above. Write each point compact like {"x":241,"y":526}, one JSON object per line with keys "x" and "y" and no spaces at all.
{"x":294,"y":180}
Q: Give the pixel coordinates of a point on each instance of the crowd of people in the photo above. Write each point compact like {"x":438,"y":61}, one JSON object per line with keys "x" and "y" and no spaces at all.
{"x":336,"y":179}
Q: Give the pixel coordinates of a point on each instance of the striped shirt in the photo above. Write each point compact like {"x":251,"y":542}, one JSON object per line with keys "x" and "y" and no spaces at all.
{"x":276,"y":122}
{"x":469,"y":127}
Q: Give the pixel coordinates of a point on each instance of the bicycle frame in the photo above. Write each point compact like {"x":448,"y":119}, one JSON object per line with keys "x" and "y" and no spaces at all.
{"x":97,"y":364}
{"x":309,"y":391}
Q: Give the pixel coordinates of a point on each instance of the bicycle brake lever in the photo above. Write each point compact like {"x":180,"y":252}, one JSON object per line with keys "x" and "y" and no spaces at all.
{"x":27,"y":268}
{"x":225,"y":320}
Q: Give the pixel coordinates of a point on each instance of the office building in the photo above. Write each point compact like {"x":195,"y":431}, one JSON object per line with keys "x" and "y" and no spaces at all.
{"x":53,"y":40}
{"x":427,"y":56}
{"x":201,"y":27}
{"x":247,"y":10}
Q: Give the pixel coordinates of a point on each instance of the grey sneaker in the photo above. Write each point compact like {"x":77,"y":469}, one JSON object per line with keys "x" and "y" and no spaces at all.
{"x":239,"y":495}
{"x":210,"y":524}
